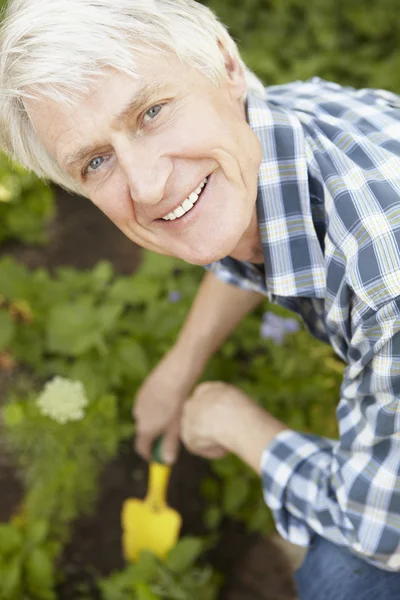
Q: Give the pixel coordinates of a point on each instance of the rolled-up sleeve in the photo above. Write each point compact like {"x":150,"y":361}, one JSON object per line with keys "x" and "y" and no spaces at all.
{"x":348,"y":490}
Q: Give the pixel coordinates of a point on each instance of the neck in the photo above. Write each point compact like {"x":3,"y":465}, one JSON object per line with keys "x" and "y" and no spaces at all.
{"x":249,"y":247}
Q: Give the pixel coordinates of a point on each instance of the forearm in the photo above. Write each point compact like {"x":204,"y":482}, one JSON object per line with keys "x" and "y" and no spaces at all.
{"x":263,"y":427}
{"x":217,"y":309}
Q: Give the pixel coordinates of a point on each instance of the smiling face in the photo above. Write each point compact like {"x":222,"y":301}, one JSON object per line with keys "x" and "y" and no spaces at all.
{"x":142,"y":150}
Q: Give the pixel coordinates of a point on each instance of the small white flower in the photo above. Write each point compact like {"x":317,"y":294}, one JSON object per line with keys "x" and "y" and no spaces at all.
{"x":63,"y":400}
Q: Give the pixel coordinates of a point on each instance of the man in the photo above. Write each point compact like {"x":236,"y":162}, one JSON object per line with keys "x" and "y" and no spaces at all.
{"x":293,"y":192}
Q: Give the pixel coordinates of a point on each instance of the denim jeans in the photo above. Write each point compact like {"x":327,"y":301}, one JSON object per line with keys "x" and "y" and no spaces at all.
{"x":333,"y":573}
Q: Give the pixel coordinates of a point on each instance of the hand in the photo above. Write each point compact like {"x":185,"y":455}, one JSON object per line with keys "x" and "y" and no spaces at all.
{"x":220,"y":418}
{"x":158,"y":405}
{"x":210,"y":417}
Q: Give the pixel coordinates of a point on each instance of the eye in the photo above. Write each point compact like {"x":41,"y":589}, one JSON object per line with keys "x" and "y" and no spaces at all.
{"x":96,"y":163}
{"x":152,"y":112}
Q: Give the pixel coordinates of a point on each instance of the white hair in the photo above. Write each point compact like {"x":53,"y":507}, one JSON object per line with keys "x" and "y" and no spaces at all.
{"x":56,"y":48}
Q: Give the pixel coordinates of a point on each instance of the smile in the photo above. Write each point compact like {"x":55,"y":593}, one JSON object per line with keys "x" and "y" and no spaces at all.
{"x":187,"y":204}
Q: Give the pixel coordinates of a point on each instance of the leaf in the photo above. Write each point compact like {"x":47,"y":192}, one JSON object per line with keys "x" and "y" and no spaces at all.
{"x":40,"y":575}
{"x":185,"y":554}
{"x":131,"y":358}
{"x":213,"y":517}
{"x":144,"y":289}
{"x":13,"y":415}
{"x":122,"y":290}
{"x":37,"y":533}
{"x":210,"y":489}
{"x":10,"y":584}
{"x":144,"y":592}
{"x":107,"y":315}
{"x":235,"y":494}
{"x":10,"y":540}
{"x":7,"y":329}
{"x":72,"y":329}
{"x":146,"y":567}
{"x":14,"y":279}
{"x":225,"y":467}
{"x":102,"y":273}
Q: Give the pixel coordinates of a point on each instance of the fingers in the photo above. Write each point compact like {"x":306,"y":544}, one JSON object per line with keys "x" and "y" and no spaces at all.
{"x":170,"y":444}
{"x":143,"y":444}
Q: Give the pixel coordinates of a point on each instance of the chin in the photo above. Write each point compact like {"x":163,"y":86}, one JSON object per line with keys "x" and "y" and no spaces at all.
{"x":204,"y":254}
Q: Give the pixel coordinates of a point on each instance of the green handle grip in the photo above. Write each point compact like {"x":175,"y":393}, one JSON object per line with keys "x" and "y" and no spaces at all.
{"x":156,"y":453}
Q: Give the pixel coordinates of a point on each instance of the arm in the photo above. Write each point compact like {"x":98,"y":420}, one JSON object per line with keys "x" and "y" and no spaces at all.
{"x":216,"y":310}
{"x":347,"y":491}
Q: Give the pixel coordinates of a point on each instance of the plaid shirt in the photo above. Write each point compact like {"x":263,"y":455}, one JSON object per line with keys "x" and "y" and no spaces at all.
{"x":329,"y":217}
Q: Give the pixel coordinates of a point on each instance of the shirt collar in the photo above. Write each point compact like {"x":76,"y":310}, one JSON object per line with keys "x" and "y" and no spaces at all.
{"x":294,"y":262}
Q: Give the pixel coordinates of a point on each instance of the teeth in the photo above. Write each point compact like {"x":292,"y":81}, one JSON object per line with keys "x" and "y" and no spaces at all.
{"x":180,"y":211}
{"x":186,"y":204}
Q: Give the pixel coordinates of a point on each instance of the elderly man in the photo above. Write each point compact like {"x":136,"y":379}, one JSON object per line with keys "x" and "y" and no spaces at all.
{"x":290,"y":192}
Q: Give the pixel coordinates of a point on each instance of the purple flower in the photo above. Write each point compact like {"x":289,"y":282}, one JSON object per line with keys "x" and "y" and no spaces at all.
{"x":276,"y":328}
{"x":174,"y":296}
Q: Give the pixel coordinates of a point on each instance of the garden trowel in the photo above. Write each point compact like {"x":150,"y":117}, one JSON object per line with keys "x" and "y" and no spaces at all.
{"x":150,"y":524}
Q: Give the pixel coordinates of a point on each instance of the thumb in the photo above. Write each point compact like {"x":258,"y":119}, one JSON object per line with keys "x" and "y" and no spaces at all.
{"x":170,"y":444}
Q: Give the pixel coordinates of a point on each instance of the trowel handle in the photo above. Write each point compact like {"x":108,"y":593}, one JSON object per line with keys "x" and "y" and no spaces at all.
{"x":158,"y":477}
{"x":158,"y":484}
{"x":156,"y":454}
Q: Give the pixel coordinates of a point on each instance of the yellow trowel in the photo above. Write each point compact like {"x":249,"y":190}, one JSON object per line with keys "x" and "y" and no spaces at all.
{"x":150,"y":524}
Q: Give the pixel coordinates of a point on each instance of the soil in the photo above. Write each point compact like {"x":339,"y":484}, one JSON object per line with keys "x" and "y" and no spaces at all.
{"x":254,"y":568}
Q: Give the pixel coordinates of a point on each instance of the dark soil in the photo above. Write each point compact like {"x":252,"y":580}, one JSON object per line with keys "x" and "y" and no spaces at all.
{"x":80,"y":236}
{"x":254,"y":568}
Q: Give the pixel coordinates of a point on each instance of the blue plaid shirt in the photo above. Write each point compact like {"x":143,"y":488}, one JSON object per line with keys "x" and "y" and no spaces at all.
{"x":329,"y":217}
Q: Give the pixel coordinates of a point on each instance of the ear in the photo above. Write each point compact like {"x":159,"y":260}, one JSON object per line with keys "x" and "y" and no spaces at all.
{"x":234,"y":72}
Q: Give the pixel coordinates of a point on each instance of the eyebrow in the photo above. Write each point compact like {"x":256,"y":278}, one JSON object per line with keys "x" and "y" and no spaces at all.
{"x":147,"y":93}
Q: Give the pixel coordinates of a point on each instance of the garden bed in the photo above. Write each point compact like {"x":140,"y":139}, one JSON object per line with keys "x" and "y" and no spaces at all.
{"x":254,"y":568}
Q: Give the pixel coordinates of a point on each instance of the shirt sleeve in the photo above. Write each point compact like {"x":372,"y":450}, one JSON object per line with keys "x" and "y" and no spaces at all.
{"x":348,"y":490}
{"x":238,"y":273}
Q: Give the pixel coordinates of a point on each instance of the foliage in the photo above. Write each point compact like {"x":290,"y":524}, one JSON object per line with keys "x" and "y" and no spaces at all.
{"x":109,"y":331}
{"x":89,"y":326}
{"x":26,"y":204}
{"x":60,"y":462}
{"x":354,"y":43}
{"x":175,"y":579}
{"x":26,"y":561}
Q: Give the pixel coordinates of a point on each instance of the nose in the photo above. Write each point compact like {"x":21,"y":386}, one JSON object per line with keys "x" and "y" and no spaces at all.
{"x":146,"y":172}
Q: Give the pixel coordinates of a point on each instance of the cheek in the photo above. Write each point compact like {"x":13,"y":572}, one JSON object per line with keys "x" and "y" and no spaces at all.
{"x":117,"y":205}
{"x":115,"y":202}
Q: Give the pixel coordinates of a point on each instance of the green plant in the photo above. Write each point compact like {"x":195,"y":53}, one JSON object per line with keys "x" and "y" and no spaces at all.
{"x":26,"y":204}
{"x":26,"y":561}
{"x":354,"y":43}
{"x":176,"y":578}
{"x":60,"y":458}
{"x":108,"y":332}
{"x":234,"y":491}
{"x":91,"y":326}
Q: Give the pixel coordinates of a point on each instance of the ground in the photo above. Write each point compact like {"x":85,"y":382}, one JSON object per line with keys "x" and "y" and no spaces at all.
{"x":255,"y":568}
